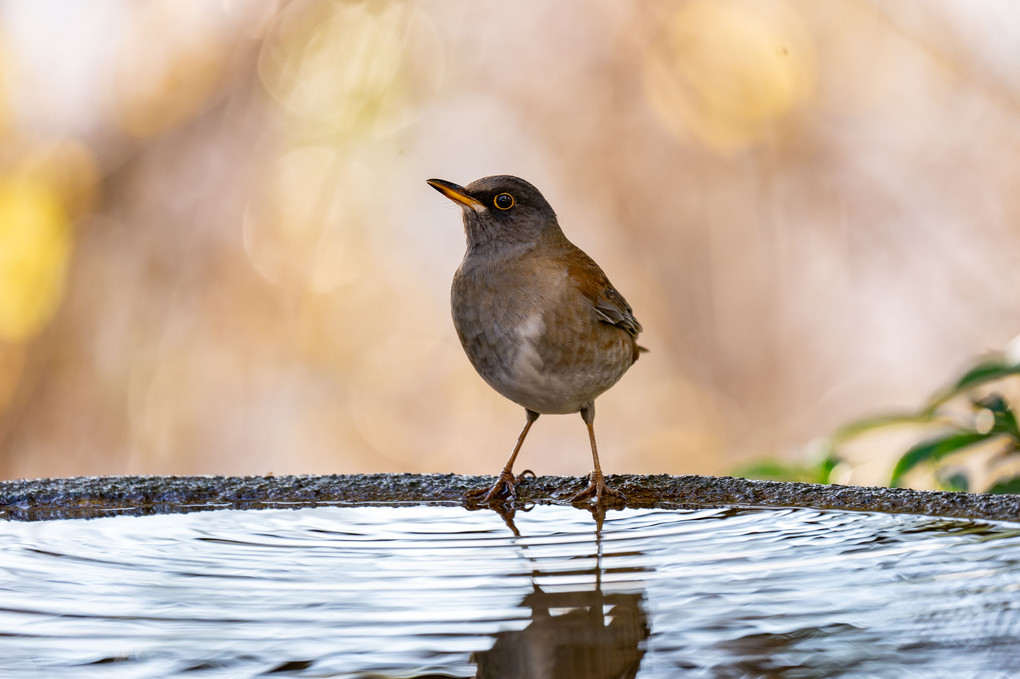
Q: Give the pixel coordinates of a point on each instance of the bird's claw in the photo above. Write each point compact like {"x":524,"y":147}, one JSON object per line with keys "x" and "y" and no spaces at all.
{"x":600,"y":491}
{"x":505,"y":488}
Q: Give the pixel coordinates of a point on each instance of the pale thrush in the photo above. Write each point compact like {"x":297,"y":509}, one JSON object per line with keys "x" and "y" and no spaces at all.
{"x":538,"y":318}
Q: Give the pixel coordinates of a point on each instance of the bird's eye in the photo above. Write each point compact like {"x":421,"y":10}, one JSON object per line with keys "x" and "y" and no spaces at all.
{"x":504,"y":201}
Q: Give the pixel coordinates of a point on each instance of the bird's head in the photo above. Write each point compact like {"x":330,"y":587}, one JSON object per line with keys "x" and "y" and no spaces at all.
{"x":500,"y":209}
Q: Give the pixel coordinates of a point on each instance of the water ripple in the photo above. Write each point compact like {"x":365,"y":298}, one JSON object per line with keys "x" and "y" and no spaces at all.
{"x":404,"y":592}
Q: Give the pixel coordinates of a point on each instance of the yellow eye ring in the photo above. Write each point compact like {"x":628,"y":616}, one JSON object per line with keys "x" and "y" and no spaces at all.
{"x":504,"y":201}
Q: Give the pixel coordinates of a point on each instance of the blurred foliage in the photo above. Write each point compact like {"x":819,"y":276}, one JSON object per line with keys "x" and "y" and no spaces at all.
{"x":35,"y":243}
{"x":780,"y":470}
{"x":970,"y":418}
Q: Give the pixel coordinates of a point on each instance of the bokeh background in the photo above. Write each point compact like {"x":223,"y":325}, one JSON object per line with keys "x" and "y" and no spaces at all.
{"x":218,"y":253}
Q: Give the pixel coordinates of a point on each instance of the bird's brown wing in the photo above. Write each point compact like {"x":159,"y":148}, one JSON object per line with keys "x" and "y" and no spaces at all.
{"x":609,"y":304}
{"x":613,"y":308}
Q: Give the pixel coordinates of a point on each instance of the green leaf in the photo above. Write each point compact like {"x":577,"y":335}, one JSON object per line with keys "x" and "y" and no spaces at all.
{"x":1005,"y":419}
{"x":771,"y":470}
{"x":989,"y":370}
{"x":954,"y":481}
{"x":826,"y":468}
{"x":1006,"y":486}
{"x":934,"y":449}
{"x":776,"y":470}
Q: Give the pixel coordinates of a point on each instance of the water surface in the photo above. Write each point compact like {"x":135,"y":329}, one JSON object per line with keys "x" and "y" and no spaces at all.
{"x":444,"y":592}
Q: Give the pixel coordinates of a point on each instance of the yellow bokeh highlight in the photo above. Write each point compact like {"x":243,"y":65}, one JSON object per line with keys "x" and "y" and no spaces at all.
{"x":35,"y":245}
{"x":345,"y":68}
{"x":67,"y":167}
{"x":726,"y":72}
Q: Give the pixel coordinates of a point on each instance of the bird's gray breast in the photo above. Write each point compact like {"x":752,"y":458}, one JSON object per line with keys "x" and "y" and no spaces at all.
{"x":529,"y":333}
{"x":499,"y":311}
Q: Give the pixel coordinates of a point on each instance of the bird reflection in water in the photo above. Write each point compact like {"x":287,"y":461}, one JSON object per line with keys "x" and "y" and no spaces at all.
{"x":577,"y":634}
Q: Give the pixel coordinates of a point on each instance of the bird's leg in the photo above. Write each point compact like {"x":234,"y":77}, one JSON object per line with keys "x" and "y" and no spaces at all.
{"x":597,"y":487}
{"x":506,"y":483}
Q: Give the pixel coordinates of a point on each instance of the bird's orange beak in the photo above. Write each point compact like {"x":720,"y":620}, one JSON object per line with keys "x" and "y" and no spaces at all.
{"x":454,"y":192}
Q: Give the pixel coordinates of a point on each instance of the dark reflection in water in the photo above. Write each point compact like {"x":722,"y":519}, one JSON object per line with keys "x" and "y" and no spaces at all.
{"x":594,"y":637}
{"x":573,"y":634}
{"x":441,"y":592}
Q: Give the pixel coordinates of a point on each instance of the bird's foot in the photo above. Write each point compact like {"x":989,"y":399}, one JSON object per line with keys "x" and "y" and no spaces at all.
{"x":505,"y":488}
{"x":598,"y":490}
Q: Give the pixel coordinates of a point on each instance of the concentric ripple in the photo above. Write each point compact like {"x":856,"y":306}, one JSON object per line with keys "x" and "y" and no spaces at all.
{"x":444,"y":592}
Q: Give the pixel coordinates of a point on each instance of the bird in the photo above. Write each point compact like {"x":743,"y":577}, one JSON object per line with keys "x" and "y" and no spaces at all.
{"x":538,"y":319}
